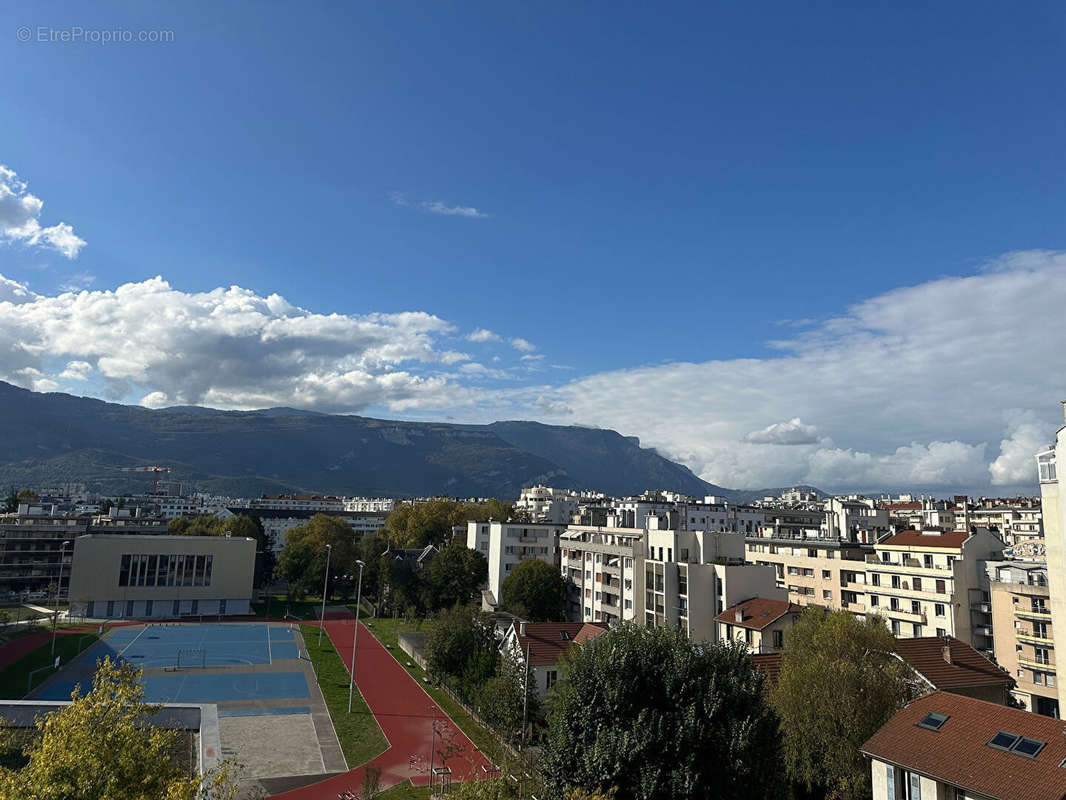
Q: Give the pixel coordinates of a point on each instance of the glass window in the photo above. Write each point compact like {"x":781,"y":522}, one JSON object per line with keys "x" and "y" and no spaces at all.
{"x":890,"y":782}
{"x":148,"y":607}
{"x":129,"y":608}
{"x":916,"y":787}
{"x":221,"y":606}
{"x":153,"y":563}
{"x":124,"y":572}
{"x":207,"y":570}
{"x":195,"y":607}
{"x":176,"y":609}
{"x":110,"y":608}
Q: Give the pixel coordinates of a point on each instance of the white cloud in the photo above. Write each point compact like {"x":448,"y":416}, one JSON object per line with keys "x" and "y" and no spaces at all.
{"x":523,"y":345}
{"x":14,"y":292}
{"x":908,"y":386}
{"x":437,"y":207}
{"x":538,"y":357}
{"x":1025,"y":435}
{"x":228,"y":348}
{"x":20,"y":214}
{"x":483,"y":335}
{"x":789,"y":433}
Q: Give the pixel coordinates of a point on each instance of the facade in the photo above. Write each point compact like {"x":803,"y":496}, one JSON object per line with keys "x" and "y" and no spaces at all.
{"x":506,"y":544}
{"x":1013,"y":519}
{"x":758,"y":622}
{"x":1054,"y":517}
{"x":600,"y":565}
{"x":546,"y":644}
{"x":946,"y":746}
{"x":373,"y":505}
{"x":31,"y":543}
{"x":1023,"y":632}
{"x":145,"y":577}
{"x":931,"y":583}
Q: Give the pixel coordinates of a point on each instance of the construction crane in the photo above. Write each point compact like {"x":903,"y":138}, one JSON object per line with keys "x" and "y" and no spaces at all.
{"x":155,"y":474}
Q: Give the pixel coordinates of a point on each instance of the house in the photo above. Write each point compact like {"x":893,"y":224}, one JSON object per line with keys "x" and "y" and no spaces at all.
{"x":547,"y":644}
{"x":759,"y":622}
{"x":947,"y":664}
{"x":946,"y":745}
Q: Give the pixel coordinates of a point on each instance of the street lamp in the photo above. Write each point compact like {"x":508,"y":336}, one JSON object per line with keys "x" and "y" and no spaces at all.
{"x":355,"y":634}
{"x":325,"y":582}
{"x":432,"y":744}
{"x":59,"y":584}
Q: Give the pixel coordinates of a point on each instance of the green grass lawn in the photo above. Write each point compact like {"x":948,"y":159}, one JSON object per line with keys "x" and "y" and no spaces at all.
{"x":13,"y":677}
{"x":278,"y":606}
{"x":404,"y":791}
{"x":361,"y":738}
{"x":386,"y":632}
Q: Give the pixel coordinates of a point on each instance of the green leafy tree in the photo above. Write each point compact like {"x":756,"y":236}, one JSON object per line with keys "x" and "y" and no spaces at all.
{"x":661,"y":718}
{"x":402,"y":587}
{"x":98,"y":748}
{"x":371,"y":547}
{"x":11,"y":501}
{"x":295,"y":567}
{"x":304,"y":574}
{"x":431,"y":522}
{"x":534,"y":590}
{"x":452,"y":576}
{"x":461,"y":648}
{"x":502,"y":702}
{"x":839,"y":683}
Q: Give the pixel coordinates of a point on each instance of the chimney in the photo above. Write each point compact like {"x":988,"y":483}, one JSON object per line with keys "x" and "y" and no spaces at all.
{"x":945,"y":651}
{"x":521,"y":628}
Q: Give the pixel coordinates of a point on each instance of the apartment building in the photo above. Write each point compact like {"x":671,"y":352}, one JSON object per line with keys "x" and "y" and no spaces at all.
{"x":1013,"y":519}
{"x":371,"y":505}
{"x":1054,"y":517}
{"x":557,"y":506}
{"x":1023,"y":632}
{"x":600,"y":564}
{"x":946,"y":746}
{"x":32,"y":539}
{"x":759,"y":622}
{"x":506,"y":544}
{"x":930,"y":583}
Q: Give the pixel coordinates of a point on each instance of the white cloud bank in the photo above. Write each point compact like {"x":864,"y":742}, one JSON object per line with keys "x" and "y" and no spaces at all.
{"x":912,"y":388}
{"x":20,"y":214}
{"x":437,"y":207}
{"x":227,"y":348}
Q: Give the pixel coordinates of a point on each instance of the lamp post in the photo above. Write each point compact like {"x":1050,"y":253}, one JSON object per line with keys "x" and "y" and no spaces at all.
{"x":355,"y":634}
{"x":59,"y":584}
{"x":325,"y":582}
{"x":432,"y":744}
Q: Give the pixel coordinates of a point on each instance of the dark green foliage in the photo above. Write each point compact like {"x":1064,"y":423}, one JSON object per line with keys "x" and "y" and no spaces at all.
{"x":536,"y":591}
{"x":461,"y":649}
{"x":501,"y":702}
{"x":662,"y":718}
{"x":453,"y":576}
{"x":839,"y":683}
{"x":303,"y":558}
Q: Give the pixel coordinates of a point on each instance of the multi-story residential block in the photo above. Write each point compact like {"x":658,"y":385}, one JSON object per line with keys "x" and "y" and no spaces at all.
{"x":1013,"y":519}
{"x":758,"y":622}
{"x":1054,"y":517}
{"x":32,"y":545}
{"x":371,"y":505}
{"x":946,"y":746}
{"x":506,"y":544}
{"x":931,"y":583}
{"x":1023,"y":632}
{"x":298,"y":502}
{"x":601,"y":566}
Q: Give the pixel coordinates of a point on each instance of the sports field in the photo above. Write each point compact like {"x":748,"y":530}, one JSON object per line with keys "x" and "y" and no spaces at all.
{"x":201,"y":645}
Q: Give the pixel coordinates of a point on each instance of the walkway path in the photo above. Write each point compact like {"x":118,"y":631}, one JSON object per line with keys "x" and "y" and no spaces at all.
{"x":403,"y":710}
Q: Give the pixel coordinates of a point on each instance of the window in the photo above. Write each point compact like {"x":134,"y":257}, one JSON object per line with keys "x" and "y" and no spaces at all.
{"x":917,"y":583}
{"x":551,"y":678}
{"x":875,"y":579}
{"x":124,"y":572}
{"x":110,"y":608}
{"x":890,"y":782}
{"x":941,"y":586}
{"x":893,"y":603}
{"x":895,"y":581}
{"x":827,"y":594}
{"x":195,"y":607}
{"x":129,"y":608}
{"x":927,"y":560}
{"x":221,"y":606}
{"x":916,"y":630}
{"x":779,"y":639}
{"x":933,"y":721}
{"x":938,"y":609}
{"x":176,"y":609}
{"x":148,"y":608}
{"x":1019,"y":745}
{"x":874,"y":600}
{"x":916,"y":607}
{"x":90,"y":607}
{"x":941,"y":632}
{"x":915,"y":786}
{"x":826,"y":574}
{"x":895,"y":627}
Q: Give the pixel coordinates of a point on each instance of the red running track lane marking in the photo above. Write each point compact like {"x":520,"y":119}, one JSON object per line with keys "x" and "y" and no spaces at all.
{"x":401,"y":707}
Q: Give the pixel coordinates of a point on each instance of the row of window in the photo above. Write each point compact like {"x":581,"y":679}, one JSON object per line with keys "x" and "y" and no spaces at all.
{"x":140,"y":569}
{"x":149,"y":608}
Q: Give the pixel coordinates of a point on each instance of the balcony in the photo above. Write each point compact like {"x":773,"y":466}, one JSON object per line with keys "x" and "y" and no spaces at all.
{"x":854,"y":607}
{"x":1043,"y":614}
{"x":983,"y":607}
{"x":1038,"y":665}
{"x":1028,"y":636}
{"x":903,"y":615}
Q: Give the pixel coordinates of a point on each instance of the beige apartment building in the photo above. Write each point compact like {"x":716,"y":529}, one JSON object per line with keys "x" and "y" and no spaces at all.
{"x":1024,"y":635}
{"x":930,"y":583}
{"x":813,"y":569}
{"x":1054,"y":513}
{"x":137,"y":576}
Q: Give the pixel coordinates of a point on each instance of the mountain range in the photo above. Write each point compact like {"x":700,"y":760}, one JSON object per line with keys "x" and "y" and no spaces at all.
{"x":51,"y":438}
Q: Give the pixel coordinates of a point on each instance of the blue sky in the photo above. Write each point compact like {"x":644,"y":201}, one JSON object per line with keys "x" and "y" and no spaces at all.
{"x":627,"y":187}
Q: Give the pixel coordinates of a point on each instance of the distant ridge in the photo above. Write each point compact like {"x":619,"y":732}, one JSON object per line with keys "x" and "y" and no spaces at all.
{"x":53,"y":438}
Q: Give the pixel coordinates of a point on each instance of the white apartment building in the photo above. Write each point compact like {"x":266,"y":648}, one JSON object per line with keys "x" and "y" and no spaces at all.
{"x":545,"y":504}
{"x":298,"y":502}
{"x":374,"y":505}
{"x":506,"y":544}
{"x":1054,"y":508}
{"x":1013,"y":519}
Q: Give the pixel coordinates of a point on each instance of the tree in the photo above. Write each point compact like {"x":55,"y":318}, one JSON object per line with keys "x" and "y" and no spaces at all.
{"x":452,"y":576}
{"x":11,"y":501}
{"x":839,"y":683}
{"x":461,"y":648}
{"x":98,"y":748}
{"x":305,"y":565}
{"x":534,"y":590}
{"x":431,"y":522}
{"x":503,"y":704}
{"x":662,"y":718}
{"x":28,"y":496}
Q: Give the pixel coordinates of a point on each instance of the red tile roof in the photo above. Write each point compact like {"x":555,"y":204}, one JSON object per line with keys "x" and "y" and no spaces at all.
{"x":959,"y":754}
{"x":967,"y":667}
{"x":769,"y":664}
{"x":549,"y":641}
{"x":932,"y":539}
{"x":758,"y":612}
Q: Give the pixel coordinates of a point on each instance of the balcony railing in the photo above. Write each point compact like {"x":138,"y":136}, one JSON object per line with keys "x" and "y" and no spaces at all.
{"x":1041,"y":614}
{"x":1034,"y":664}
{"x":1028,"y":636}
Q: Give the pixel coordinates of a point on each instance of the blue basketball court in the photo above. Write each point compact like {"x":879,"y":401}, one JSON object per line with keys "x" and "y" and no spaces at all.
{"x":195,"y":687}
{"x":204,"y":644}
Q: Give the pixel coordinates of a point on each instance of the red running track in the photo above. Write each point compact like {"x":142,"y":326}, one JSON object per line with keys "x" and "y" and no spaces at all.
{"x":402,"y":709}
